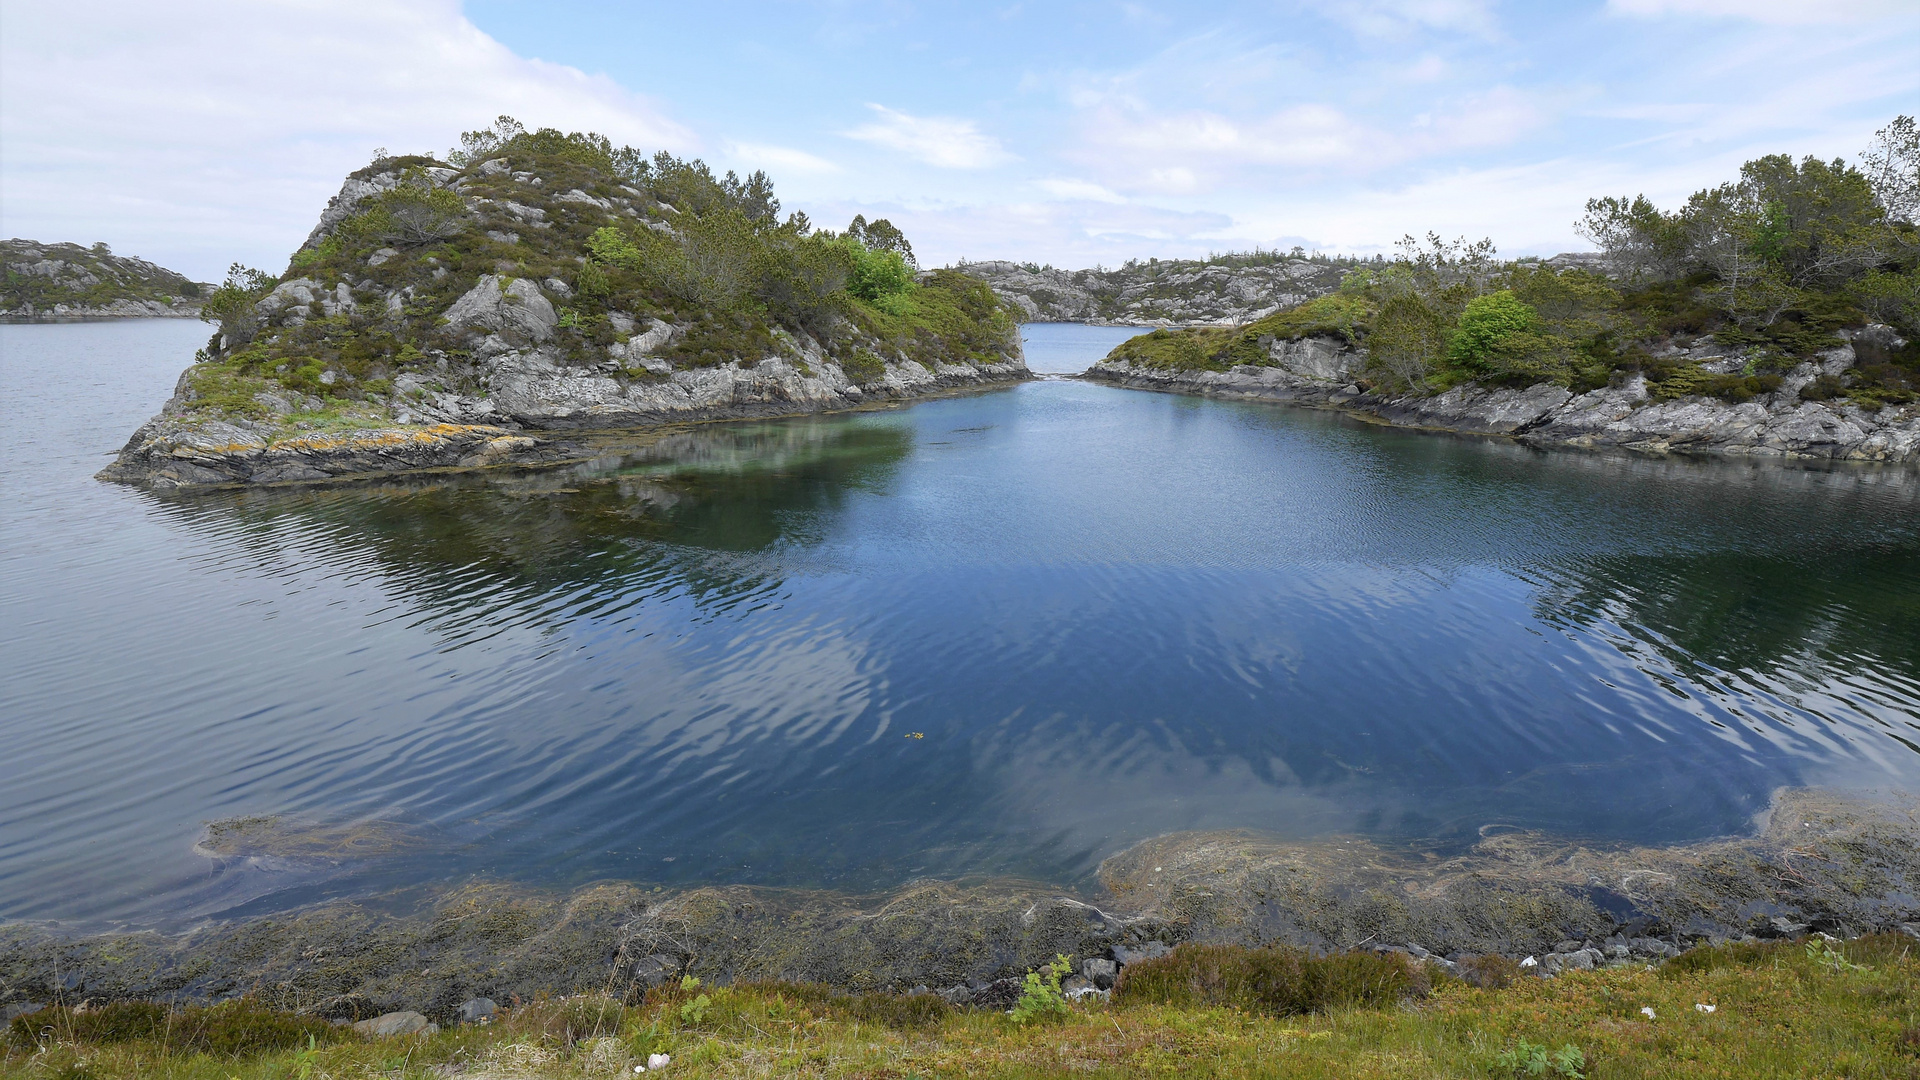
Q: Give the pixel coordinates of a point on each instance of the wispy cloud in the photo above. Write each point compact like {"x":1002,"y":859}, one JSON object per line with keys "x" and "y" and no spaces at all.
{"x":195,"y":142}
{"x":1396,"y":18}
{"x":941,"y":141}
{"x":783,"y":159}
{"x":1780,"y":12}
{"x":1062,"y":188}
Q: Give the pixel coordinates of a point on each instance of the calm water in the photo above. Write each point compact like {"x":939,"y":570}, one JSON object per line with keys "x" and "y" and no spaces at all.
{"x":1002,"y":634}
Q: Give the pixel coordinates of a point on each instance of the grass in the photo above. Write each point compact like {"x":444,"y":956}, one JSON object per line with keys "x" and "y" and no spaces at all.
{"x":1779,"y":1010}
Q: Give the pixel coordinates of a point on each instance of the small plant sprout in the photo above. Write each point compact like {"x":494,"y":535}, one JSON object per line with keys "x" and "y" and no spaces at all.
{"x":1041,"y":996}
{"x":1534,"y":1059}
{"x":1820,"y":950}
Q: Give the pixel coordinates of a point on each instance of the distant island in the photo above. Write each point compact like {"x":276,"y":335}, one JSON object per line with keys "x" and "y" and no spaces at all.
{"x":66,"y":282}
{"x":1777,"y":314}
{"x":443,"y":312}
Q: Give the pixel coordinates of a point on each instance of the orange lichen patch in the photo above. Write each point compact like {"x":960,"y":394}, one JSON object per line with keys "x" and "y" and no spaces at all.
{"x":389,"y":439}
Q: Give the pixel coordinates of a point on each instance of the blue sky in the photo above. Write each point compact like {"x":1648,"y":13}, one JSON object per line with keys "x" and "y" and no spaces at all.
{"x":1070,"y":133}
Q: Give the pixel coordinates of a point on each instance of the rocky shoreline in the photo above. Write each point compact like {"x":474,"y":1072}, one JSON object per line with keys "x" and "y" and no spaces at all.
{"x":1779,"y":424}
{"x":1817,"y":863}
{"x":443,"y":430}
{"x":117,"y":309}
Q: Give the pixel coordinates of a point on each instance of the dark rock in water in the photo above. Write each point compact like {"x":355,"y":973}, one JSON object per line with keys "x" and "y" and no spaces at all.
{"x":476,"y":1010}
{"x":394,"y":1024}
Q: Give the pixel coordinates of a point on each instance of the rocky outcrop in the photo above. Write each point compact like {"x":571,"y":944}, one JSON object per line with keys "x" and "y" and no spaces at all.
{"x":68,"y":283}
{"x":165,"y":456}
{"x":388,"y":347}
{"x":1627,"y":416}
{"x":1164,"y":292}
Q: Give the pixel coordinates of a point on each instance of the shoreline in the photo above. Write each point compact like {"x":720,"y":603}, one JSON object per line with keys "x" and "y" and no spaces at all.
{"x":1818,"y":862}
{"x":1549,"y":417}
{"x":173,"y":453}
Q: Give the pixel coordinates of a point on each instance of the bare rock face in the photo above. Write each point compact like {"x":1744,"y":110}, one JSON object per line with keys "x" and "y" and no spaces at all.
{"x":513,"y":308}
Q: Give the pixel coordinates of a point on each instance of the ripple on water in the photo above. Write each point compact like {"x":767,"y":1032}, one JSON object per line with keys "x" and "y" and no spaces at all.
{"x":1010,"y":633}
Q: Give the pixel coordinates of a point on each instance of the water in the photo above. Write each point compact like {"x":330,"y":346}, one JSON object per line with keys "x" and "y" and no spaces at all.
{"x":1008,"y":633}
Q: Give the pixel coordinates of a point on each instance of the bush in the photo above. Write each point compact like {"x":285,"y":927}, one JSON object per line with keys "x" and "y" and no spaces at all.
{"x":1491,"y":327}
{"x":1040,"y":996}
{"x":1277,"y":981}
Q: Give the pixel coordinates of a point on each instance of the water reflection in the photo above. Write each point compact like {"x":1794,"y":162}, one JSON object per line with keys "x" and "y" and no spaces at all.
{"x":1002,"y":634}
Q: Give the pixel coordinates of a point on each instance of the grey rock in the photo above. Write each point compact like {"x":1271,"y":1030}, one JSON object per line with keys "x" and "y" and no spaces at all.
{"x":476,"y":1010}
{"x":394,"y":1024}
{"x":655,"y":970}
{"x":494,"y":167}
{"x":558,"y":288}
{"x":380,"y":257}
{"x":578,"y":196}
{"x":957,"y":995}
{"x":347,"y":203}
{"x":19,"y":1008}
{"x":1151,"y":950}
{"x":511,"y":307}
{"x":1098,"y":971}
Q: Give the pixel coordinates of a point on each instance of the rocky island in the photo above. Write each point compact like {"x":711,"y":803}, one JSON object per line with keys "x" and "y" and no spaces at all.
{"x":67,"y":283}
{"x":457,"y":313}
{"x":1777,"y":315}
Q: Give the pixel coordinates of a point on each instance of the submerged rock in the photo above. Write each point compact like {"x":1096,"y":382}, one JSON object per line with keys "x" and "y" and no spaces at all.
{"x":1843,"y":866}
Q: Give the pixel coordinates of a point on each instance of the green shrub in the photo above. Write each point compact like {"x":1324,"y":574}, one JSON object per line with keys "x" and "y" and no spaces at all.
{"x":863,"y":368}
{"x":1040,"y":996}
{"x":1491,"y":326}
{"x":1277,"y":981}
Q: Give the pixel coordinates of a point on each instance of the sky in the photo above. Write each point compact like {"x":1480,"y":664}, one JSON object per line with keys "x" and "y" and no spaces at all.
{"x":1071,"y":133}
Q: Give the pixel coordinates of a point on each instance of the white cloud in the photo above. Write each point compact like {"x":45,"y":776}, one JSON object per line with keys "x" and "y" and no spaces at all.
{"x":1138,"y":148}
{"x":1078,"y":189}
{"x":1395,"y":18}
{"x":1788,"y":12}
{"x":785,"y":159}
{"x":945,"y":142}
{"x":196,"y":137}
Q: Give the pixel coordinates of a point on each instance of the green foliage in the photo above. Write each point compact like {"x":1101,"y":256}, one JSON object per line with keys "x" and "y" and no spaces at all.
{"x":1040,"y":996}
{"x":1821,"y":951}
{"x":234,"y":303}
{"x":413,"y":214}
{"x":1533,"y":1059}
{"x":863,"y":367}
{"x":1491,"y":328}
{"x":877,"y":274}
{"x":1276,"y":981}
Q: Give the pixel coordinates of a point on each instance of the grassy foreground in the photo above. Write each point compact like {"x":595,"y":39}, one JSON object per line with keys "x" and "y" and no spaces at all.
{"x":1788,"y":1009}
